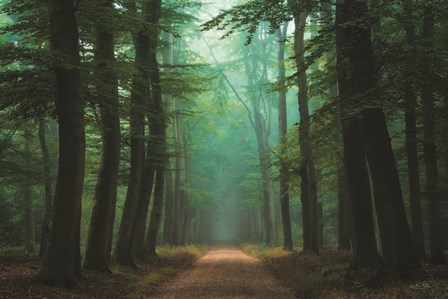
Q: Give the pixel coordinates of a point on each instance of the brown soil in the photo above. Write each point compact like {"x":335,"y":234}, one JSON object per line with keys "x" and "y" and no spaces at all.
{"x":225,"y":272}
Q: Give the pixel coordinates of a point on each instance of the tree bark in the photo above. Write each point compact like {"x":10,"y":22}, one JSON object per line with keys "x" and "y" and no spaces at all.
{"x":140,"y":89}
{"x":411,"y":137}
{"x":157,"y":128}
{"x":282,"y":122}
{"x":429,"y":142}
{"x":358,"y":182}
{"x":398,"y":254}
{"x":343,"y":211}
{"x":168,"y":209}
{"x":61,"y":261}
{"x":308,"y":171}
{"x":48,"y":189}
{"x":29,"y":236}
{"x":97,"y":252}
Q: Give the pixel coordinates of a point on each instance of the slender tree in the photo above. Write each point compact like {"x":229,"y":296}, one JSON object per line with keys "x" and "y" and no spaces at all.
{"x":29,"y":235}
{"x":308,"y":194}
{"x":124,"y":252}
{"x":157,"y":128}
{"x":97,"y":253}
{"x":410,"y":100}
{"x":429,"y":140}
{"x":282,"y":123}
{"x":48,"y":188}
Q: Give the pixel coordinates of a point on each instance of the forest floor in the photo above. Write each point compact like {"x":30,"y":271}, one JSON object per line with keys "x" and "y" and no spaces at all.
{"x":328,"y":275}
{"x":19,"y":277}
{"x":225,"y":273}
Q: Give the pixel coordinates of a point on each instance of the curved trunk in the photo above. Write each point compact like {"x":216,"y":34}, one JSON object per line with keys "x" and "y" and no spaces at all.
{"x":61,"y":263}
{"x":140,"y":89}
{"x":103,"y":213}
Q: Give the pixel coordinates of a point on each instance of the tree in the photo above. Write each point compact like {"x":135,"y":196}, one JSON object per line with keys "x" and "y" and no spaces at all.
{"x":282,"y":123}
{"x":48,"y":188}
{"x":308,"y":193}
{"x":411,"y":135}
{"x":124,"y":253}
{"x":28,"y":214}
{"x":62,"y":261}
{"x":398,"y":256}
{"x":429,"y":145}
{"x":97,"y":256}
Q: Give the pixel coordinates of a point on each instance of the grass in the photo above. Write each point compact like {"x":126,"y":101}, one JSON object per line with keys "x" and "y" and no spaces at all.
{"x":328,"y":275}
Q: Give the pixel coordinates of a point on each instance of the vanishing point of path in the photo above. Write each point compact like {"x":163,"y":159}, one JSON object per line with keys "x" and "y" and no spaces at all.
{"x":225,"y":272}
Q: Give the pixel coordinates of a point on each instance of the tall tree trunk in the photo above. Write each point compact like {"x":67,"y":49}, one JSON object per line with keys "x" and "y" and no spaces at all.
{"x":411,"y":138}
{"x":282,"y":123}
{"x":343,"y":211}
{"x":157,"y":128}
{"x":48,"y":189}
{"x":29,"y":236}
{"x":396,"y":242}
{"x":139,"y":95}
{"x":60,"y":262}
{"x":168,"y":209}
{"x":429,"y":142}
{"x":103,"y":213}
{"x":167,"y":56}
{"x":154,"y":223}
{"x":359,"y":192}
{"x":147,"y":183}
{"x":266,"y":178}
{"x":178,"y":207}
{"x":308,"y":171}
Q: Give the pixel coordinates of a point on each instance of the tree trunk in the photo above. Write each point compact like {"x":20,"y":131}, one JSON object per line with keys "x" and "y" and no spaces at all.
{"x":103,"y":213}
{"x":397,"y":248}
{"x":429,"y":142}
{"x":398,"y":252}
{"x":154,"y":223}
{"x":48,"y":189}
{"x":358,"y":182}
{"x":139,"y":95}
{"x":308,"y":171}
{"x":168,"y":210}
{"x":282,"y":122}
{"x":411,"y":138}
{"x":343,"y":211}
{"x":146,"y":188}
{"x":157,"y":128}
{"x":60,"y":261}
{"x":29,"y":236}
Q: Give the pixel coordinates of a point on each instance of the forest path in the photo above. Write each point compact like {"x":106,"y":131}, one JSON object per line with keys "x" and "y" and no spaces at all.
{"x":225,"y":272}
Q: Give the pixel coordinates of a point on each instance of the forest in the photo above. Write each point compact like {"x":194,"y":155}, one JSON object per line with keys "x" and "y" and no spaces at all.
{"x":141,"y":139}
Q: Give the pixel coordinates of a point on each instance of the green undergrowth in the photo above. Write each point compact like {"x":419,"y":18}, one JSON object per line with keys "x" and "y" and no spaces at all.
{"x":155,"y":271}
{"x":328,"y":275}
{"x":11,"y":251}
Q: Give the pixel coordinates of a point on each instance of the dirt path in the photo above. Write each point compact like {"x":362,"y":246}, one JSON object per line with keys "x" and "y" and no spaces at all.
{"x":225,"y":272}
